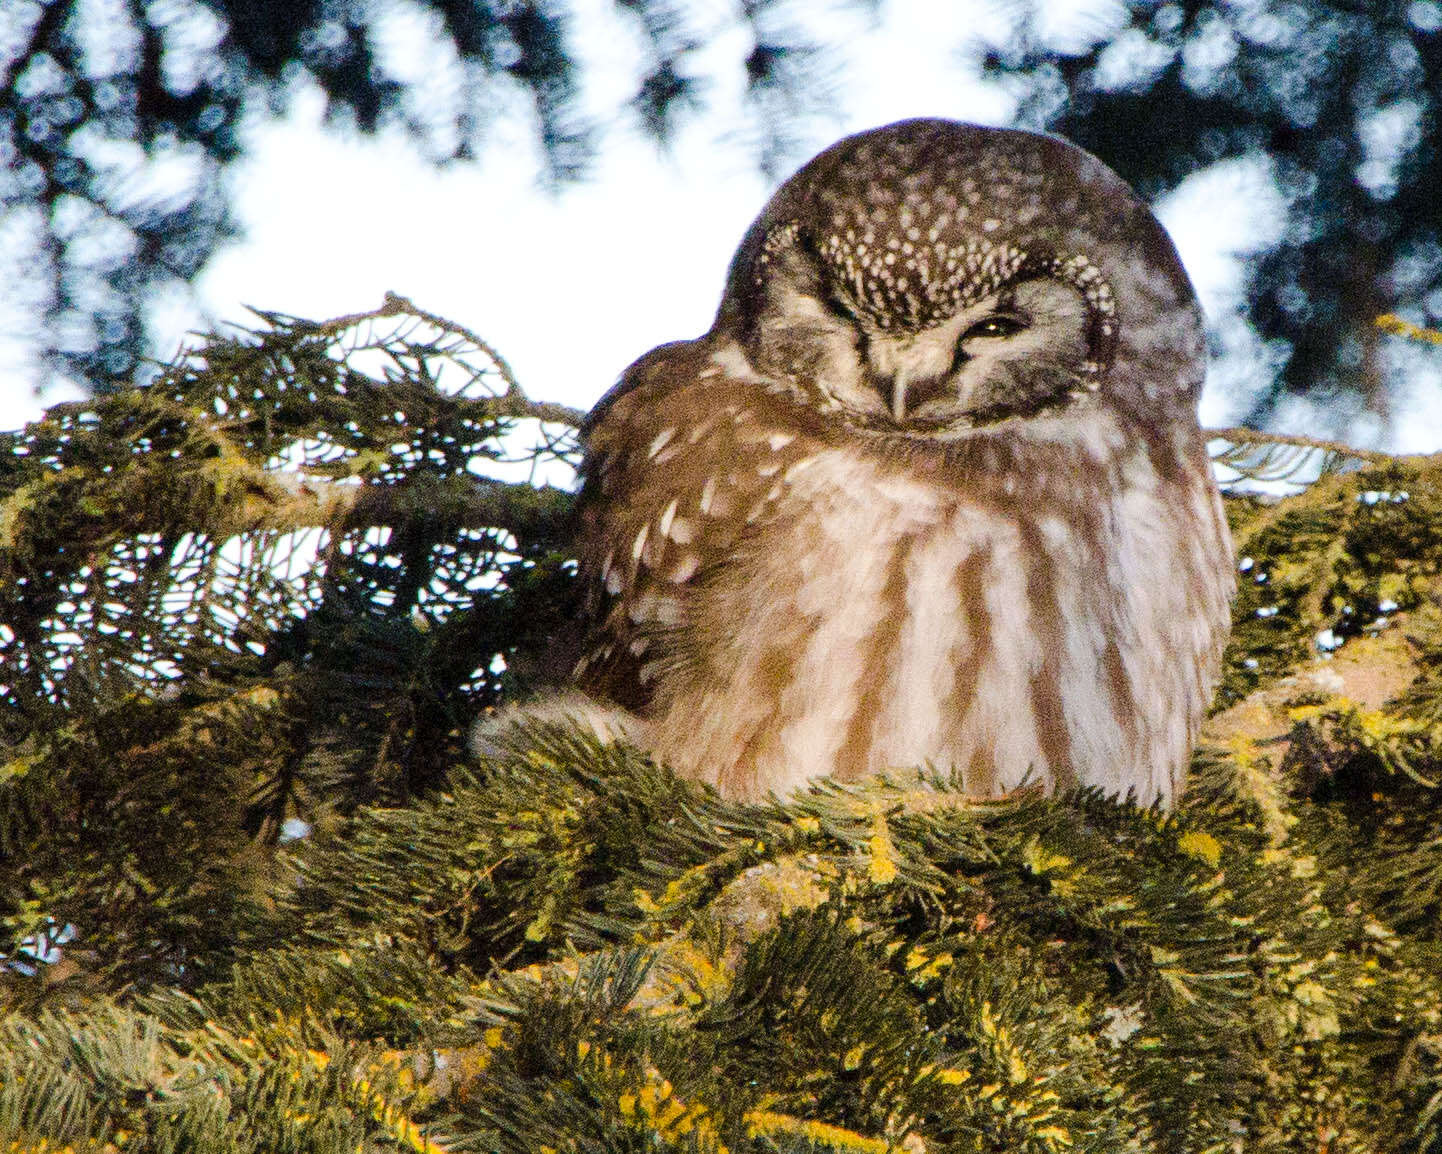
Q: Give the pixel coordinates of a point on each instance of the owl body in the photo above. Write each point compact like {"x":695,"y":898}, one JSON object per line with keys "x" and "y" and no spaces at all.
{"x":811,"y":604}
{"x":930,"y":492}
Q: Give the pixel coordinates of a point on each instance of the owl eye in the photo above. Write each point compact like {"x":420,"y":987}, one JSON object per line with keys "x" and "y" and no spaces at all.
{"x":996,"y":325}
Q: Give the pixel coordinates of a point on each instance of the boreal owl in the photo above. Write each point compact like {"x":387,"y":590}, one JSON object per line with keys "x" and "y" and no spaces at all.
{"x":931,"y":491}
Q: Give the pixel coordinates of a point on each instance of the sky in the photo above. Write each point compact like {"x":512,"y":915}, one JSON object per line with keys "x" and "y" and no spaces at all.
{"x":571,"y":286}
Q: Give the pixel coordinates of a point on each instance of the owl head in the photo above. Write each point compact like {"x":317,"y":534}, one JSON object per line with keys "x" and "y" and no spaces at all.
{"x":931,"y":278}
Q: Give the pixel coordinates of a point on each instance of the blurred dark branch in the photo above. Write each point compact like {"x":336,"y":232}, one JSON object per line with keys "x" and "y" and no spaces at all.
{"x":52,"y":19}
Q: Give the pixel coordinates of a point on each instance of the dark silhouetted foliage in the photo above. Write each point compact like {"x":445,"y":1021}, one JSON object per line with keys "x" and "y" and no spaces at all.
{"x":117,"y":123}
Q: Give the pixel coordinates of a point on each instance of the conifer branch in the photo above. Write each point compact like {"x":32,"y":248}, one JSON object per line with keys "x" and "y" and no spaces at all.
{"x":566,"y":943}
{"x":513,"y":402}
{"x":1238,"y":435}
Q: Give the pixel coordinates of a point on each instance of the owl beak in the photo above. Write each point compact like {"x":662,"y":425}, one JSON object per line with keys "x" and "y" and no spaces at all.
{"x":899,"y":384}
{"x":911,"y":389}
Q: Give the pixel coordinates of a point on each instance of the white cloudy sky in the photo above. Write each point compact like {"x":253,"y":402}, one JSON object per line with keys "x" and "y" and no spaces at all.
{"x":571,"y":287}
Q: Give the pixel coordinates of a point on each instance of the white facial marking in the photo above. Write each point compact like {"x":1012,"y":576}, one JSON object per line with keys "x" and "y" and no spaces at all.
{"x":684,"y":569}
{"x":733,"y":364}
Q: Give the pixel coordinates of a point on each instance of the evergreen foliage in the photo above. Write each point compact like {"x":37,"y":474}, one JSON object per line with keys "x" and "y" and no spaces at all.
{"x":566,"y":948}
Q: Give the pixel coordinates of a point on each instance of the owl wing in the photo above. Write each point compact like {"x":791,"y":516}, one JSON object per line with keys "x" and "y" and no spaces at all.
{"x":684,"y":459}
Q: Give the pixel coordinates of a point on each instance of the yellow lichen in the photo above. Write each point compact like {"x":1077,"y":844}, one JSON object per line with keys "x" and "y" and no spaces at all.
{"x":765,"y":1124}
{"x":1202,"y":846}
{"x":881,"y":868}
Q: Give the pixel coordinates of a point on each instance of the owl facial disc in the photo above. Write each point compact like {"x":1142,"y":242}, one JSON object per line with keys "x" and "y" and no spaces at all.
{"x":931,"y":278}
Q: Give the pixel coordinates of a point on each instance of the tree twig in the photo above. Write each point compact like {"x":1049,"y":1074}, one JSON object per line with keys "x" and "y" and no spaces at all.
{"x":1242,"y":436}
{"x":512,"y":403}
{"x":1392,"y":323}
{"x":289,"y":503}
